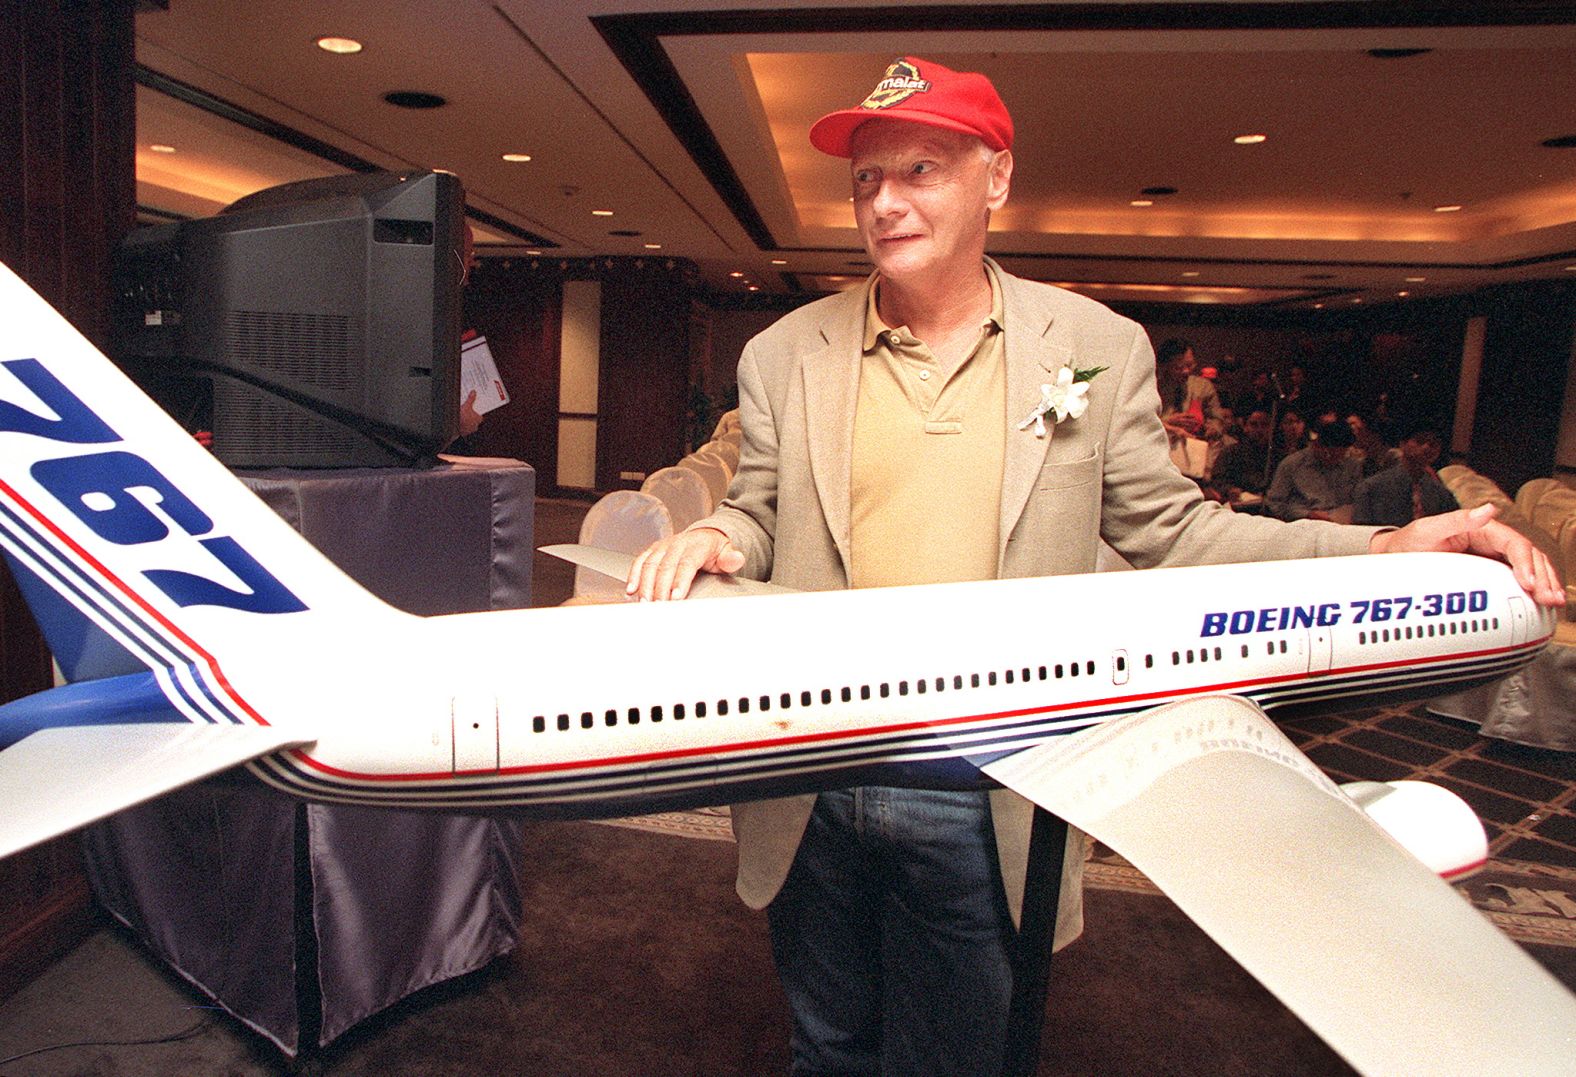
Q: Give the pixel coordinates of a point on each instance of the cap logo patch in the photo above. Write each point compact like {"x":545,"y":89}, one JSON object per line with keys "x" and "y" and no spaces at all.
{"x":901,"y":82}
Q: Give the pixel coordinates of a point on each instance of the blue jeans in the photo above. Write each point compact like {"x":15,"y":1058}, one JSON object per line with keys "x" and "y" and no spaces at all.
{"x":892,"y":937}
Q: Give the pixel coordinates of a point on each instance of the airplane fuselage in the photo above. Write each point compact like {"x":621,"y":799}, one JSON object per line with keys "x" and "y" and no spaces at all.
{"x":911,"y":685}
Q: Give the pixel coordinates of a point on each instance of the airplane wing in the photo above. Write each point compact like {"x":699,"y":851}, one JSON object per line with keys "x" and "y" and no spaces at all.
{"x":59,"y":779}
{"x":1380,"y":957}
{"x":706,"y":585}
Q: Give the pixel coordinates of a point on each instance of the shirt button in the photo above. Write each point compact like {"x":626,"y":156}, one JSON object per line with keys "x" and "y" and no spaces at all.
{"x":924,"y":375}
{"x":894,"y":339}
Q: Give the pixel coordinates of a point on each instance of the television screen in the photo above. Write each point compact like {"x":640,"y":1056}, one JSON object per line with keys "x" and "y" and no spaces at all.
{"x":322,"y":318}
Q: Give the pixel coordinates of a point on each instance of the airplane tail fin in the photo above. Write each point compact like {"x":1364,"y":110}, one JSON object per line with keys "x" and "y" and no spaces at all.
{"x":134,"y":547}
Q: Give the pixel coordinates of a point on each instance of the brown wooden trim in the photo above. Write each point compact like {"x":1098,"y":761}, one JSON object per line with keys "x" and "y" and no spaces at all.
{"x":61,"y":919}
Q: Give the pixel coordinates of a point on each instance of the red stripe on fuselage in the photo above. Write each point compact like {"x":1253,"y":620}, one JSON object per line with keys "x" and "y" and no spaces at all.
{"x":877,"y":731}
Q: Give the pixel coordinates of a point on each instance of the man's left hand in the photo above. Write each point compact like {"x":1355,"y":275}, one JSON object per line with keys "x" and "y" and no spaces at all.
{"x":1476,"y":531}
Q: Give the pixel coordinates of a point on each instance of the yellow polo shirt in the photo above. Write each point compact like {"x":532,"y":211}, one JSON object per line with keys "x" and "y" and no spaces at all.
{"x":928,"y":451}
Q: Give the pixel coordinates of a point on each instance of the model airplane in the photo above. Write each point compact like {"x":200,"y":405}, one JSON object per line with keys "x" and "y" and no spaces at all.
{"x":198,"y":632}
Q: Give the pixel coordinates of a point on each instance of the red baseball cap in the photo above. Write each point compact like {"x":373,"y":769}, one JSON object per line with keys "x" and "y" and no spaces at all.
{"x":920,"y":91}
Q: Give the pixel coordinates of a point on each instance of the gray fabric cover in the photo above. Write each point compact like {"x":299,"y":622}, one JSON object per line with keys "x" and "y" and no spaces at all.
{"x":1534,"y":705}
{"x":208,"y":875}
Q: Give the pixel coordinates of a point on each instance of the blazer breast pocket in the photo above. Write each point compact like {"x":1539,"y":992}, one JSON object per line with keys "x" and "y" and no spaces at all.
{"x":1069,"y":474}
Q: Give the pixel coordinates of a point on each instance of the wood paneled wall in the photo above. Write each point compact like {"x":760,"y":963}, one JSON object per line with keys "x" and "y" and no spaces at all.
{"x":1526,"y":353}
{"x":67,"y":196}
{"x":643,"y":389}
{"x":520,"y":319}
{"x":645,"y":364}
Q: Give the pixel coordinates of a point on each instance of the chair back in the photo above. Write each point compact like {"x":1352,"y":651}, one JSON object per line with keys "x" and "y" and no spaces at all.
{"x":1531,"y":493}
{"x":683,"y":491}
{"x":711,"y":468}
{"x":727,"y":451}
{"x":626,"y":521}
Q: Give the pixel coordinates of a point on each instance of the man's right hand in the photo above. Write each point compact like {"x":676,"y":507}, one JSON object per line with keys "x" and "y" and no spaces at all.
{"x":668,"y":566}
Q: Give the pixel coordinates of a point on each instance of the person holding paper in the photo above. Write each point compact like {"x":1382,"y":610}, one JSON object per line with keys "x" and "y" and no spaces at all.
{"x":481,"y":386}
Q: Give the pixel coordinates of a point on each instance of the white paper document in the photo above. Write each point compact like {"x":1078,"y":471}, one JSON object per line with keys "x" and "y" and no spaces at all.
{"x":1380,"y":957}
{"x":479,"y":374}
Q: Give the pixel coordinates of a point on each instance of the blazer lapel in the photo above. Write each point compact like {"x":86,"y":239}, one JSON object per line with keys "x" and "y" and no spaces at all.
{"x":1033,"y":358}
{"x":831,"y":395}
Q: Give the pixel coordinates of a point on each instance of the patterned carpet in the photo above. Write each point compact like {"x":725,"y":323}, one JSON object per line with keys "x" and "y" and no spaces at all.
{"x":1526,"y":798}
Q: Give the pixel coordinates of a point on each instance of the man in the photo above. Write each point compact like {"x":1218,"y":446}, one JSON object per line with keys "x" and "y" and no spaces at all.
{"x":1408,"y":491}
{"x":1369,"y":446}
{"x":1243,"y":466}
{"x":470,"y":418}
{"x":1318,"y":482}
{"x":907,"y":432}
{"x":1189,"y":403}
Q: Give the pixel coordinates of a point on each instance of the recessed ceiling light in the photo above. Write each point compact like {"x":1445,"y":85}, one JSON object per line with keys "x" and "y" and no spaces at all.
{"x":415,"y":99}
{"x":1318,"y":306}
{"x":601,"y":213}
{"x":534,"y":254}
{"x":1570,"y":269}
{"x":779,"y":261}
{"x":736,"y":274}
{"x":517,"y":158}
{"x":1142,"y":202}
{"x":1250,"y":140}
{"x":1415,"y":280}
{"x":1403,"y":293}
{"x":339,"y":46}
{"x":159,"y":147}
{"x":1447,"y":209}
{"x":755,"y":287}
{"x":653,"y":246}
{"x":1357,"y":299}
{"x":1190,"y":272}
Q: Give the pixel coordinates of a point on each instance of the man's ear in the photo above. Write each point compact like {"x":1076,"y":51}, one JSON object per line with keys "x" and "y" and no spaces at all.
{"x":1000,"y":180}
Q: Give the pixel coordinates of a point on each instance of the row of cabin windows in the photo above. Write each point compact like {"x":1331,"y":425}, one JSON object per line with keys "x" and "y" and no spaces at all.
{"x":1207,"y":654}
{"x":785,"y":701}
{"x":1430,"y":630}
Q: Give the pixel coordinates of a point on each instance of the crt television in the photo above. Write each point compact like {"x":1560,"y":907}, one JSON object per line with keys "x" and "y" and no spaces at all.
{"x":318,"y":322}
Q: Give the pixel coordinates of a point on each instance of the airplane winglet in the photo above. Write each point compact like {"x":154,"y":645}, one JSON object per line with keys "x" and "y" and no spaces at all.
{"x":59,"y":779}
{"x":615,"y":564}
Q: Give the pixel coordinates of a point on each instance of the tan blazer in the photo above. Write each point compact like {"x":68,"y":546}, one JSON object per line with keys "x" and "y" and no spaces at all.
{"x":1103,"y":475}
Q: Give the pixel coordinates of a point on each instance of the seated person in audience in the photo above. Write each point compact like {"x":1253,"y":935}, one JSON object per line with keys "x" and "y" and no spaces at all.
{"x":1189,"y":404}
{"x":1376,"y":455}
{"x":1291,"y":435}
{"x":1259,"y":393}
{"x":1408,"y":491}
{"x":1318,"y":482}
{"x":1244,"y":465}
{"x":1299,"y":393}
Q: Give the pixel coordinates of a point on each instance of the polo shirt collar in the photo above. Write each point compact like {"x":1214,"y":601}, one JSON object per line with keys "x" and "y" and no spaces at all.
{"x":877,"y":332}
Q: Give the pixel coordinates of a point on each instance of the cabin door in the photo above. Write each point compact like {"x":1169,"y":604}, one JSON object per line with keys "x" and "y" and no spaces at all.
{"x":1320,"y":646}
{"x":1118,"y":667}
{"x":475,"y":733}
{"x":1519,"y":628}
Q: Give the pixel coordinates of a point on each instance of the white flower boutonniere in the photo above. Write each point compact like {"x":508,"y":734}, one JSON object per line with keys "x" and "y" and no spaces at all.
{"x":1067,"y":398}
